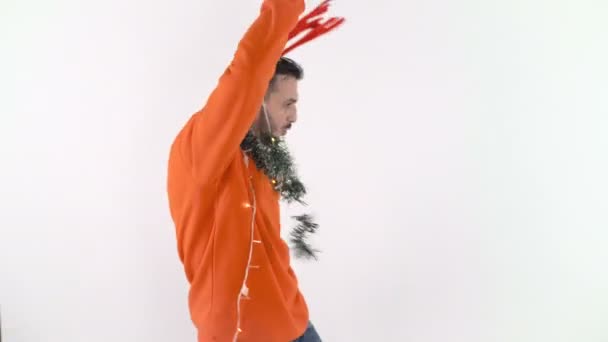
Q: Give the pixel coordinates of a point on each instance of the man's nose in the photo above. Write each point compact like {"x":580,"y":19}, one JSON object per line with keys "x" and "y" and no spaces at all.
{"x":293,"y":116}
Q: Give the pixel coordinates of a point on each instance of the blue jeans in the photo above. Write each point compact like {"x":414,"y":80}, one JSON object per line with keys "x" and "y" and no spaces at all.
{"x":310,"y":335}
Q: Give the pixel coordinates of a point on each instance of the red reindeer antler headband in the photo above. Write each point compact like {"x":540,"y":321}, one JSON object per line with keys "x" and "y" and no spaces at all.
{"x":312,"y":22}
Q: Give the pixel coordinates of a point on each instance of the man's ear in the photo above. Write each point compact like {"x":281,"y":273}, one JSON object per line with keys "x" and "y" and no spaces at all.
{"x":268,"y":94}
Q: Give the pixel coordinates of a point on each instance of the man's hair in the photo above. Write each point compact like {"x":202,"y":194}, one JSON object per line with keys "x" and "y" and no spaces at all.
{"x":286,"y":67}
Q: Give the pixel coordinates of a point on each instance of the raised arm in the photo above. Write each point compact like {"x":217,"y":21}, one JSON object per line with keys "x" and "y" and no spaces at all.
{"x":212,"y":136}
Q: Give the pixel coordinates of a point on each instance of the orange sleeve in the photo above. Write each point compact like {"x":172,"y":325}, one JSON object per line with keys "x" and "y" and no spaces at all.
{"x":209,"y":140}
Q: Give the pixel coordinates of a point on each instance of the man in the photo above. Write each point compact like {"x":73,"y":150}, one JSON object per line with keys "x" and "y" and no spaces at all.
{"x":226,"y":208}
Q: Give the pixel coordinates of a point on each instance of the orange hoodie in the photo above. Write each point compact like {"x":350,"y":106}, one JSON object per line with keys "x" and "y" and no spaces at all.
{"x":225,"y":210}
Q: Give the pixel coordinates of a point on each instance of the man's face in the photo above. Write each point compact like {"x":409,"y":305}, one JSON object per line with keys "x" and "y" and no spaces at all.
{"x":281,"y":105}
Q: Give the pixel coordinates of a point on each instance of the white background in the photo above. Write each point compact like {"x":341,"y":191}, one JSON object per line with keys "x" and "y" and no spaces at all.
{"x":456,"y":155}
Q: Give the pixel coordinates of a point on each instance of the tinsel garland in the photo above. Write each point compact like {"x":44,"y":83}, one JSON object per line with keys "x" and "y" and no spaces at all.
{"x":271,"y":155}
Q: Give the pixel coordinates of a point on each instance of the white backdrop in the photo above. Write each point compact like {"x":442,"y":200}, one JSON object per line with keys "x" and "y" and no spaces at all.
{"x":456,"y":155}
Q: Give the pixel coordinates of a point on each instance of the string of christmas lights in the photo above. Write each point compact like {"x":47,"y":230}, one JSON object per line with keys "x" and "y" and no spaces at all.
{"x":272,"y":156}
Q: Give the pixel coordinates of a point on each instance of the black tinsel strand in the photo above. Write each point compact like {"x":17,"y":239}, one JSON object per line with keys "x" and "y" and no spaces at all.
{"x":271,"y":155}
{"x":298,"y":236}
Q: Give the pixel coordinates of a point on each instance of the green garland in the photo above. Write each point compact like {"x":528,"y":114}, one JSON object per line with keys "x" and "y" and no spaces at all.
{"x":271,"y":155}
